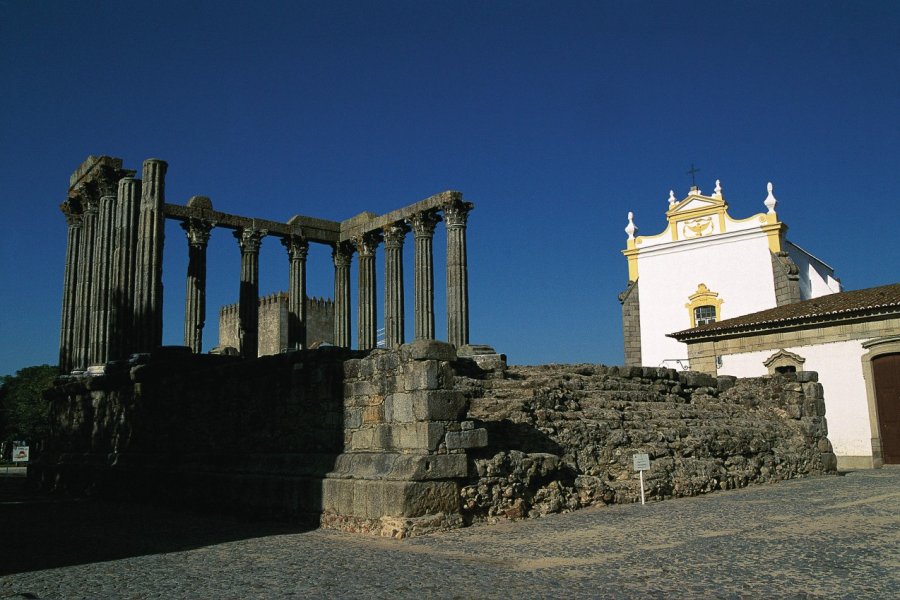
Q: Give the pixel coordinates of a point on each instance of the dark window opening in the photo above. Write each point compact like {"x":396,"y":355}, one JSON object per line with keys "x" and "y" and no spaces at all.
{"x":704,"y":315}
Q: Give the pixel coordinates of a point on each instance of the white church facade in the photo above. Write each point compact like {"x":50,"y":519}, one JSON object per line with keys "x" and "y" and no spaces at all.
{"x":706,"y":266}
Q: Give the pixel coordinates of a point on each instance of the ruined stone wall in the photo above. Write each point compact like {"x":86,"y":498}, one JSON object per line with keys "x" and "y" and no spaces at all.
{"x":563,"y":437}
{"x":401,"y":442}
{"x":367,"y":442}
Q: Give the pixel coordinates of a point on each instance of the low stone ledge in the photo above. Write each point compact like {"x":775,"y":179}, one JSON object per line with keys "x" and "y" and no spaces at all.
{"x":399,"y":467}
{"x":374,"y":499}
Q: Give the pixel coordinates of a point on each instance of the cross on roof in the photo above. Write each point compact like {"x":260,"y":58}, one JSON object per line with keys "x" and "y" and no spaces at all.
{"x":692,"y":173}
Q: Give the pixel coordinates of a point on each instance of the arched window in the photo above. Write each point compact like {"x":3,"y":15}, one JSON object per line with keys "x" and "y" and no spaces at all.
{"x":784,"y":362}
{"x":703,"y":306}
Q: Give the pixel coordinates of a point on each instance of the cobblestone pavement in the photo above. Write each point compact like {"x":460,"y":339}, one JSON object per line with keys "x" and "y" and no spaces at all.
{"x":828,"y":537}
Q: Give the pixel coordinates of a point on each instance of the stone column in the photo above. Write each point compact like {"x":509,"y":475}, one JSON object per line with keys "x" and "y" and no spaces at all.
{"x":342,"y":254}
{"x":423,"y":231}
{"x":195,"y":294}
{"x":455,"y":215}
{"x":123,"y":273}
{"x":151,"y":235}
{"x":67,"y":326}
{"x":81,"y":335}
{"x":367,"y":319}
{"x":297,"y":249}
{"x":249,"y":240}
{"x":394,"y":234}
{"x":100,"y":277}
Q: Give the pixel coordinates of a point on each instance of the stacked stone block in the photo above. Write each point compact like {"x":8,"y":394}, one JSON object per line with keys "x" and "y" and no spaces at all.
{"x":404,"y":438}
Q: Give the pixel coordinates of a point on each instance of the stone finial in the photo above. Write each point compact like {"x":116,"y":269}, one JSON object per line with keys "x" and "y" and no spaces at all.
{"x":672,"y":200}
{"x":630,"y":228}
{"x":717,"y":193}
{"x":770,"y":201}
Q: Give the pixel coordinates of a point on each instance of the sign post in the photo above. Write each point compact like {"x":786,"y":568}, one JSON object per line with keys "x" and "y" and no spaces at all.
{"x":20,"y":454}
{"x":641,"y":463}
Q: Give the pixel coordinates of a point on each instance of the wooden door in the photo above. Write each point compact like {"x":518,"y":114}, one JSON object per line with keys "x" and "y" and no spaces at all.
{"x":886,"y":370}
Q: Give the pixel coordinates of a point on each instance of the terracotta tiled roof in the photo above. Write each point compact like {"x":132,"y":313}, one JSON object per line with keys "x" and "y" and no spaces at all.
{"x":876,"y":300}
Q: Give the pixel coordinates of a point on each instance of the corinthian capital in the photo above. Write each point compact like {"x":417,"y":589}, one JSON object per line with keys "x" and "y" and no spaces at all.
{"x":394,"y":234}
{"x":367,"y":243}
{"x":297,"y":246}
{"x":198,"y":231}
{"x":341,"y":254}
{"x":423,"y":223}
{"x":249,"y":239}
{"x":457,"y":212}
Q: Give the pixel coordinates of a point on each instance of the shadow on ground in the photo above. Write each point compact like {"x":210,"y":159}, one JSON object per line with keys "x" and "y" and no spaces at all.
{"x":45,"y":532}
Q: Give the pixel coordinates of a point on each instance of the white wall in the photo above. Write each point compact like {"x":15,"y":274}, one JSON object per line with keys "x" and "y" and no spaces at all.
{"x":738,"y":266}
{"x":839,"y":366}
{"x":816,"y":278}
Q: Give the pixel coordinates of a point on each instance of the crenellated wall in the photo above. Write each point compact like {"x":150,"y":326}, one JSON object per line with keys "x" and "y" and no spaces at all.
{"x":273,"y":323}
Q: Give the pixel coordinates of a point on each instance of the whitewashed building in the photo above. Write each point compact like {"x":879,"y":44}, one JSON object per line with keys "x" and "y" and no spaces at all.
{"x":706,"y":266}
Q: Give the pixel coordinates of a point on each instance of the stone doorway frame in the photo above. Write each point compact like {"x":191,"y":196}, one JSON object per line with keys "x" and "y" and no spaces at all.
{"x":876,"y":347}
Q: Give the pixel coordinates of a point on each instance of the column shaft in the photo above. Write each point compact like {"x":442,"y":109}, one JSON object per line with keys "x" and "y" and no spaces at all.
{"x":151,"y":235}
{"x":100,"y":280}
{"x":342,"y":254}
{"x":248,"y":299}
{"x":195,"y":293}
{"x":394,"y":235}
{"x":367,"y":317}
{"x":81,"y":335}
{"x":297,"y":249}
{"x":124,"y":277}
{"x":67,"y":326}
{"x":455,"y":216}
{"x":423,"y":232}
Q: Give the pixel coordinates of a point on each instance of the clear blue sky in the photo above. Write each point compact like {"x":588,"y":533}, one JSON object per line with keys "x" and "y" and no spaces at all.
{"x":554,"y":118}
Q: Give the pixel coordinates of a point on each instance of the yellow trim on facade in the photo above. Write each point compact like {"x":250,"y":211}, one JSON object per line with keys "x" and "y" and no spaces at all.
{"x":774,"y":232}
{"x":632,"y":255}
{"x":703,"y":297}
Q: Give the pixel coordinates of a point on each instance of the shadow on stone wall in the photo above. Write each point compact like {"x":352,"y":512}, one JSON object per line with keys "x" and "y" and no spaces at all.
{"x":215,"y":433}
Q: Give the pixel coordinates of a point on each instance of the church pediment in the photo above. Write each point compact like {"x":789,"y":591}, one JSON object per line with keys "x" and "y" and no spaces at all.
{"x":700,"y":216}
{"x":694,"y":206}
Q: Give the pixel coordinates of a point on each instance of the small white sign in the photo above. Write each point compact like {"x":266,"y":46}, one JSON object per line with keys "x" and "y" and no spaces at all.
{"x":641,"y":462}
{"x":20,"y":454}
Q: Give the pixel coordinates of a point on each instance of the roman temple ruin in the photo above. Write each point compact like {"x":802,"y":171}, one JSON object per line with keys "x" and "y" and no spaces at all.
{"x":113,"y":287}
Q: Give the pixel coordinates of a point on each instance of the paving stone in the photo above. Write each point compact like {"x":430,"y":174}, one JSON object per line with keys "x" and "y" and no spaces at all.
{"x":828,"y":536}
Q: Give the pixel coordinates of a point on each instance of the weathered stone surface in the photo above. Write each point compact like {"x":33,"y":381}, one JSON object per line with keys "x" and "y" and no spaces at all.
{"x":426,"y":375}
{"x":425,"y":349}
{"x":471,"y":438}
{"x":592,"y":419}
{"x":431,"y":405}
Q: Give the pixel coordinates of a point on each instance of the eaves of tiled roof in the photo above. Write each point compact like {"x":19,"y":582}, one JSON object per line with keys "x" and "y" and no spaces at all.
{"x":841,"y":306}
